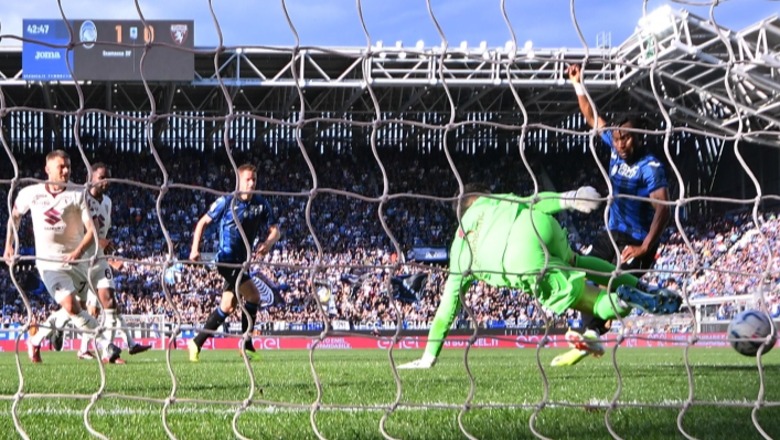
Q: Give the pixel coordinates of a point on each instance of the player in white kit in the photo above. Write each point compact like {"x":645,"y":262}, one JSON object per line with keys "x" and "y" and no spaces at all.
{"x":63,"y":231}
{"x":102,"y":277}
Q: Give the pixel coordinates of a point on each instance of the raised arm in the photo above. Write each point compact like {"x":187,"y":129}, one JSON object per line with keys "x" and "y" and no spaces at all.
{"x":584,"y":199}
{"x":575,"y":75}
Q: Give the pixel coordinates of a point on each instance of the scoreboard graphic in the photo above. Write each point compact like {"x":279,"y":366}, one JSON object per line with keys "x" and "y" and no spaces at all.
{"x":108,"y":50}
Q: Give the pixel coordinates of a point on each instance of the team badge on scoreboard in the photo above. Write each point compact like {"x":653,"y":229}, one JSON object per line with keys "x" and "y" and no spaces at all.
{"x":179,"y":33}
{"x":88,"y":33}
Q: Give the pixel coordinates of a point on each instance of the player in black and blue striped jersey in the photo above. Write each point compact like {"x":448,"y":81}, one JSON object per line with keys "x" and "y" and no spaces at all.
{"x":254,"y":215}
{"x":636,"y":225}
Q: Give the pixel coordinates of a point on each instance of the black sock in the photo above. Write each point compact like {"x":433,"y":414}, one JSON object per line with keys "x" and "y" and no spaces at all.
{"x":590,"y":322}
{"x":215,"y":319}
{"x":251,"y":308}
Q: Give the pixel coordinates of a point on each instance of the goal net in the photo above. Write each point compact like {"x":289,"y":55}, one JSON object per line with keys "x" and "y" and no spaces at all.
{"x":364,"y":140}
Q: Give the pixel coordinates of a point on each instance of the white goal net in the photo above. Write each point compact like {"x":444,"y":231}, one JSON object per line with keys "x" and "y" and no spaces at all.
{"x":366,"y":120}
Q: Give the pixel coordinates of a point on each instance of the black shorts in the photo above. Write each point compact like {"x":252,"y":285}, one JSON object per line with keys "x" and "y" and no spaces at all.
{"x":602,"y":248}
{"x":230,"y":275}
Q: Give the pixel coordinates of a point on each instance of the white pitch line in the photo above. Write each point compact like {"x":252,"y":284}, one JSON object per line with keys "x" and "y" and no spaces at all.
{"x":264,"y":409}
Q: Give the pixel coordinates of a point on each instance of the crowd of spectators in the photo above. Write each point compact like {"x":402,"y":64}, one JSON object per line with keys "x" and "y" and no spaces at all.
{"x":353,"y":222}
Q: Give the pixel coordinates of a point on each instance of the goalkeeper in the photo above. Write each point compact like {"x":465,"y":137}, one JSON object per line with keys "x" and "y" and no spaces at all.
{"x":510,"y":241}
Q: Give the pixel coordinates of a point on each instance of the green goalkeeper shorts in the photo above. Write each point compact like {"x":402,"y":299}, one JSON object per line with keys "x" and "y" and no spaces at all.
{"x":559,"y":287}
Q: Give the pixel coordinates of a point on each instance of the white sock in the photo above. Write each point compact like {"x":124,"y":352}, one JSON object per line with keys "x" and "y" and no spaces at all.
{"x":85,"y":322}
{"x":46,"y":327}
{"x":125,"y":333}
{"x":110,"y":321}
{"x":58,"y":319}
{"x":85,"y":339}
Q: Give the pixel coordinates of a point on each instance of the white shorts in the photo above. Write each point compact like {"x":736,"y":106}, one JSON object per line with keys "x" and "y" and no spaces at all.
{"x":101,"y":275}
{"x":64,"y":281}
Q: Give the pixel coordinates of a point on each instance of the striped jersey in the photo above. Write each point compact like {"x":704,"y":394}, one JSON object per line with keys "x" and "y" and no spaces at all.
{"x":255,"y":215}
{"x":641,"y":178}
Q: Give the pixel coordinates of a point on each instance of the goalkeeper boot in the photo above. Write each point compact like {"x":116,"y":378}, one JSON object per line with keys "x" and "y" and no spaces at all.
{"x":662,"y":302}
{"x":569,"y":358}
{"x":194,"y":350}
{"x":588,"y":341}
{"x":423,"y":363}
{"x":582,"y":345}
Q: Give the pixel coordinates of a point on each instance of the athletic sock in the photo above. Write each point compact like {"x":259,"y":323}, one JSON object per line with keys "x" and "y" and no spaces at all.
{"x":84,"y":322}
{"x":215,"y":319}
{"x":609,"y":306}
{"x":84,"y":341}
{"x":251,"y":309}
{"x":124,"y":332}
{"x":58,"y":319}
{"x":110,"y":322}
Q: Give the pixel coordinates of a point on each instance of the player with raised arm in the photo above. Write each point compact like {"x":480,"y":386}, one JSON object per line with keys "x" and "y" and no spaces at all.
{"x":63,"y":231}
{"x":255,"y":216}
{"x":635,"y":225}
{"x":508,"y":241}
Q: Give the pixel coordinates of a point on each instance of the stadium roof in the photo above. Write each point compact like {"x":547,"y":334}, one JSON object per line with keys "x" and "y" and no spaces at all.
{"x":704,"y":76}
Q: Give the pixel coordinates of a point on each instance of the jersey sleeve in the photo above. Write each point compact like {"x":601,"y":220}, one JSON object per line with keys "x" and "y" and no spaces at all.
{"x":271,"y":220}
{"x":548,"y":202}
{"x":654,"y":174}
{"x":606,"y":136}
{"x":217,"y":209}
{"x":110,"y":210}
{"x":23,"y":199}
{"x":86,"y":212}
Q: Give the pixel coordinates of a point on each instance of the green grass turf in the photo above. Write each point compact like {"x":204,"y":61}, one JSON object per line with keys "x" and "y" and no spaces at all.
{"x":508,"y":389}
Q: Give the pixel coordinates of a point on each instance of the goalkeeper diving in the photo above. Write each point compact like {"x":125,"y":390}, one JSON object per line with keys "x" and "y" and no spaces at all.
{"x":509,"y":241}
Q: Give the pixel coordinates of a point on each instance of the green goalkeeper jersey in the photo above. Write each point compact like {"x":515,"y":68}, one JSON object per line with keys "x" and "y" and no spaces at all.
{"x":483,"y":237}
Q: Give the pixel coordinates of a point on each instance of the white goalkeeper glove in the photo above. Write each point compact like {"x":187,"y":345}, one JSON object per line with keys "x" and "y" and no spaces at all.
{"x":582,"y":199}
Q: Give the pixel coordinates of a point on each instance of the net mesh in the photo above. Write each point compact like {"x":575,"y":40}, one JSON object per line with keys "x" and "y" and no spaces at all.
{"x":418,"y":160}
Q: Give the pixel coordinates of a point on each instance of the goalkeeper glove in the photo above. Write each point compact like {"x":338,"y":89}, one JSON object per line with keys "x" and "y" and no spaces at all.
{"x":581,"y":199}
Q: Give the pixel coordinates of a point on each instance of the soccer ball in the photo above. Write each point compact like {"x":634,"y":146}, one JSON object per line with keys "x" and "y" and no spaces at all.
{"x":324,"y":293}
{"x":750,"y":324}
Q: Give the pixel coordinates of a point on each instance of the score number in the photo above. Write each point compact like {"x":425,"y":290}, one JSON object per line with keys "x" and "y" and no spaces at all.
{"x":148,"y":33}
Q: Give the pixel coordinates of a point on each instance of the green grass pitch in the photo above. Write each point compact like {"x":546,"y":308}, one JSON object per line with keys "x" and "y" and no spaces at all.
{"x":508,"y":389}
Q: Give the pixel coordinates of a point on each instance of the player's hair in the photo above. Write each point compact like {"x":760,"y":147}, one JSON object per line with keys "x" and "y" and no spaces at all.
{"x":57,"y":153}
{"x":638,"y":122}
{"x":470,"y":193}
{"x":98,"y":165}
{"x":247,"y":167}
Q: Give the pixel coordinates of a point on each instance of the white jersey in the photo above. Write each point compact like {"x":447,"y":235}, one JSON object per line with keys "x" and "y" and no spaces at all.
{"x":100,"y":211}
{"x":58,"y":222}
